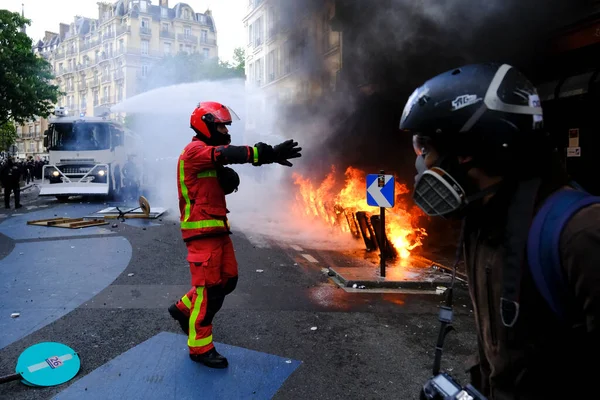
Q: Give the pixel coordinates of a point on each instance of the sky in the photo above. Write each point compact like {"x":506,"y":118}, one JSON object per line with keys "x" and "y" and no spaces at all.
{"x":46,"y":15}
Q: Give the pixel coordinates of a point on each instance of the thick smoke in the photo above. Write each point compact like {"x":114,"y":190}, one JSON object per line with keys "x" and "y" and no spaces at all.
{"x":392,"y":46}
{"x":389,"y":47}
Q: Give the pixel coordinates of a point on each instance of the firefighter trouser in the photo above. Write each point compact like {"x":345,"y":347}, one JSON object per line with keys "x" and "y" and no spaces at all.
{"x":214,"y":275}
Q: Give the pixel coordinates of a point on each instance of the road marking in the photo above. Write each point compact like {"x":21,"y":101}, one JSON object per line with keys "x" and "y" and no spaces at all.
{"x":310,"y":258}
{"x":31,"y":207}
{"x":3,"y":215}
{"x":297,"y":248}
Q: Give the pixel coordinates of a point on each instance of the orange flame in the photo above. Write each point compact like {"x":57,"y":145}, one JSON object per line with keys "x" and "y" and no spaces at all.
{"x":325,"y":203}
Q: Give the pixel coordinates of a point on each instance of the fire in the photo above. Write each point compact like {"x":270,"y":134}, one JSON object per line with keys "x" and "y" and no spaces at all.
{"x":326,"y":201}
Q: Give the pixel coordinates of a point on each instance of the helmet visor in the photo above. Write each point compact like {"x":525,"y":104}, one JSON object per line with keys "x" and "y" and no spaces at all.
{"x":225,"y":115}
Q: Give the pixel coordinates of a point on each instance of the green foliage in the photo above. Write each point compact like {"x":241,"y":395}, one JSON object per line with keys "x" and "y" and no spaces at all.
{"x":8,"y":135}
{"x":239,"y":57}
{"x":184,"y":68}
{"x":26,"y":90}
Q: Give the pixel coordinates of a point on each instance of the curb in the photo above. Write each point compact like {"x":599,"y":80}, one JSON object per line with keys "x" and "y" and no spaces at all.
{"x":383,"y":284}
{"x":27,"y":186}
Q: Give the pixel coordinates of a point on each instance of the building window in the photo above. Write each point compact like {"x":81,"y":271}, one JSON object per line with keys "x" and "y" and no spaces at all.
{"x":206,"y":53}
{"x":144,"y":70}
{"x":120,"y":93}
{"x":187,"y":31}
{"x":167,"y":49}
{"x":143,"y":6}
{"x":164,"y":12}
{"x":121,"y":45}
{"x":202,"y":19}
{"x":250,"y":35}
{"x":186,"y":13}
{"x":95,"y":97}
{"x":165,"y":27}
{"x":188,"y":48}
{"x":145,"y":23}
{"x":145,"y":47}
{"x":271,"y":66}
{"x":258,"y":32}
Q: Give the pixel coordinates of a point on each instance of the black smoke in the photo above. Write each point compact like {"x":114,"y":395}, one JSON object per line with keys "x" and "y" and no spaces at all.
{"x":389,"y":48}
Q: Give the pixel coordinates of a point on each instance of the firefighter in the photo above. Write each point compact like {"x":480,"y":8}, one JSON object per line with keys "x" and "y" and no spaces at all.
{"x":203,"y":181}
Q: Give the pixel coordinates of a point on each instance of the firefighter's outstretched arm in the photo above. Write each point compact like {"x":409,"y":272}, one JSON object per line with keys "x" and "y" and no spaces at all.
{"x":258,"y":155}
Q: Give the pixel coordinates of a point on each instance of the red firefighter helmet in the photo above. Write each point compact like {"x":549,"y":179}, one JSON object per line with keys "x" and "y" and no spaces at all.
{"x":209,"y":113}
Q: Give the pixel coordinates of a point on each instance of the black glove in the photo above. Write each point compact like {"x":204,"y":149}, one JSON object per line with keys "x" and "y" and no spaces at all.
{"x":286,"y":151}
{"x":279,"y":154}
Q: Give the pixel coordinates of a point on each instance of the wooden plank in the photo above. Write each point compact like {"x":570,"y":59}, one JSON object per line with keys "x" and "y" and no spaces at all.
{"x":45,"y":221}
{"x":65,"y":221}
{"x":71,"y":223}
{"x":84,"y":224}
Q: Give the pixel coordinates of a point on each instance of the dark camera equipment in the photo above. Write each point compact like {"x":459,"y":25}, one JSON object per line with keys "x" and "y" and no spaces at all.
{"x":442,"y":386}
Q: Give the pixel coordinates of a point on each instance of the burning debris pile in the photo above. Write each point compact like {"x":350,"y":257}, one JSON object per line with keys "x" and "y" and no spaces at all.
{"x":343,"y":206}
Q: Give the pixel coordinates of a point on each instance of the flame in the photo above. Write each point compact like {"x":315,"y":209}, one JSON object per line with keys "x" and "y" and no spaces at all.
{"x":327,"y":203}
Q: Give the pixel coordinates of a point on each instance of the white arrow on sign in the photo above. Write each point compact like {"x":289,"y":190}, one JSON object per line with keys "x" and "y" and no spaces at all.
{"x":375,"y":191}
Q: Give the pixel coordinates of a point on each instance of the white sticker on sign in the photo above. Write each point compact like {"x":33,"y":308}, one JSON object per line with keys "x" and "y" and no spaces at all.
{"x":573,"y":151}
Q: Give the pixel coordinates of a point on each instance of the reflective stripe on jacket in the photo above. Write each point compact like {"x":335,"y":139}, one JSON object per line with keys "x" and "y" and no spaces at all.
{"x":201,"y":199}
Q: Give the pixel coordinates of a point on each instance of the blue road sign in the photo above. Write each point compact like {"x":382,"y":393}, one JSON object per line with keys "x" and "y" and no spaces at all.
{"x":381,"y":190}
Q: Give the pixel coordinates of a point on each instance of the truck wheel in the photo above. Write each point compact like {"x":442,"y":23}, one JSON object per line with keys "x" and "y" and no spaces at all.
{"x":62,"y":199}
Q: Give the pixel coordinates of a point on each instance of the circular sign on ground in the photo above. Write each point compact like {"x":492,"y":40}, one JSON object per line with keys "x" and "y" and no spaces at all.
{"x":48,"y":364}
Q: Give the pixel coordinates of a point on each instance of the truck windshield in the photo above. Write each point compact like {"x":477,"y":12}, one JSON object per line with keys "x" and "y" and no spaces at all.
{"x":79,"y":136}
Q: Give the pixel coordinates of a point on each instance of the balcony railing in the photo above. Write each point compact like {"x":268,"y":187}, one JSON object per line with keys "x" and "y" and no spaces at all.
{"x":123,"y":29}
{"x":59,"y":55}
{"x":145,"y":30}
{"x":212,"y":42}
{"x":105,"y":78}
{"x":187,"y":38}
{"x":71,"y":51}
{"x":89,"y":45}
{"x":108,"y":35}
{"x":107,"y":100}
{"x":167,"y":34}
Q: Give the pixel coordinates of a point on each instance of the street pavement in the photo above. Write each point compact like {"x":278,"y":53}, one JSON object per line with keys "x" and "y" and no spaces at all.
{"x":289,"y":331}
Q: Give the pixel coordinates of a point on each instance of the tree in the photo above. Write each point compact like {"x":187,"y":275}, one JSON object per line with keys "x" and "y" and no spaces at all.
{"x":26,"y":90}
{"x":239,"y":57}
{"x":8,"y":135}
{"x":184,"y":68}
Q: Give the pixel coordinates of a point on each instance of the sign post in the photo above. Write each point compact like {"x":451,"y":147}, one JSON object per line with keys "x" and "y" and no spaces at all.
{"x":381,"y":193}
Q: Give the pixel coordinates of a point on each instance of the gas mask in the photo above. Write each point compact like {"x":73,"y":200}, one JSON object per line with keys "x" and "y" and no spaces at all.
{"x":445,"y":189}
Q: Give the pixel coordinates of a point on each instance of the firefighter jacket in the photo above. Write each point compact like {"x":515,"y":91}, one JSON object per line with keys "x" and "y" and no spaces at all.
{"x":201,"y":199}
{"x":202,"y":203}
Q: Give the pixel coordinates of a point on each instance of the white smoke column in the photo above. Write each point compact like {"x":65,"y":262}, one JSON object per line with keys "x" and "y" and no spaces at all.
{"x":263,"y":204}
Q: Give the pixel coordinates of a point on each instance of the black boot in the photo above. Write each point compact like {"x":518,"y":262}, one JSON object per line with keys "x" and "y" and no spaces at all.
{"x":180,"y":317}
{"x":211,"y":359}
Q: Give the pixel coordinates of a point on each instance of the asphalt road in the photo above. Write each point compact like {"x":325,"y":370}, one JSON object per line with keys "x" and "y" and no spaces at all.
{"x":366,"y":345}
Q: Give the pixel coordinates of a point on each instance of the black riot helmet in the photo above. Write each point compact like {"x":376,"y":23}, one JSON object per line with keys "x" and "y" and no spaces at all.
{"x":488,"y":111}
